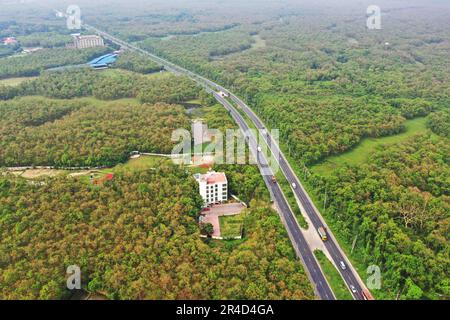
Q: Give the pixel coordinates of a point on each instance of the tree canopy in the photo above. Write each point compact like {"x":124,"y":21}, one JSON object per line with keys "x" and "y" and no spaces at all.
{"x":136,"y":237}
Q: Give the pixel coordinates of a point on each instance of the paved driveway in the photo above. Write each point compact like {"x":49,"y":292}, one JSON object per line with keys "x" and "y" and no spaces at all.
{"x":216,"y":211}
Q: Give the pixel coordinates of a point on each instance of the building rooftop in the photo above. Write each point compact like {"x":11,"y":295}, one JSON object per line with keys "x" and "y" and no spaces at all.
{"x":9,"y":40}
{"x":212,"y":177}
{"x":104,"y":60}
{"x":88,"y":36}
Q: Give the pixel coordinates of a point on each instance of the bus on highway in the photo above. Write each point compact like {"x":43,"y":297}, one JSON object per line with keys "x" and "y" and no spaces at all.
{"x":322,"y":233}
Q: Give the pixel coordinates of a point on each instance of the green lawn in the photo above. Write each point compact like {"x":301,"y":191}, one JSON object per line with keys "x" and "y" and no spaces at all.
{"x":138,"y":164}
{"x":143,"y":163}
{"x":231,"y":226}
{"x":97,"y":102}
{"x":360,"y":153}
{"x":333,"y":276}
{"x":197,"y":169}
{"x":194,"y":101}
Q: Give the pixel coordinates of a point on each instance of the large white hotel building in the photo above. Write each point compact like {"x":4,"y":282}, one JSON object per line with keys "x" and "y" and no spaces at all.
{"x":213,"y":187}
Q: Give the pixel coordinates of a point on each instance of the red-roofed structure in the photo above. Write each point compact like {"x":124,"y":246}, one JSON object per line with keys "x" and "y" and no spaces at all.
{"x":9,"y":41}
{"x":107,"y":177}
{"x":216,"y":177}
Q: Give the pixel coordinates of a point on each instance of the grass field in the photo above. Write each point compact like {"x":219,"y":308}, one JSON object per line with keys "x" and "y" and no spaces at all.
{"x":231,"y":226}
{"x":143,"y":163}
{"x":138,"y":164}
{"x":360,"y":153}
{"x":334,"y":278}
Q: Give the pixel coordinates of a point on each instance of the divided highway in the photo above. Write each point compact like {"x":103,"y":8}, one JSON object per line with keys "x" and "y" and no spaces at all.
{"x":301,"y":247}
{"x":350,"y":276}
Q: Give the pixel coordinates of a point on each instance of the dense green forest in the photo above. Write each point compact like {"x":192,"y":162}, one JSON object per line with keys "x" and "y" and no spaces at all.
{"x":396,"y":207}
{"x":202,"y":47}
{"x":8,"y":50}
{"x":439,"y":122}
{"x":245,"y":182}
{"x":327,"y":83}
{"x":38,"y":131}
{"x":107,"y":85}
{"x":45,"y":40}
{"x":317,"y":74}
{"x":136,"y":237}
{"x":328,"y":88}
{"x":136,"y":62}
{"x":34,"y":64}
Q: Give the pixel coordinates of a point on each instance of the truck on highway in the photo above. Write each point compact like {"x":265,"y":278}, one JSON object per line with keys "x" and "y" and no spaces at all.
{"x":366,"y":295}
{"x":322,"y":233}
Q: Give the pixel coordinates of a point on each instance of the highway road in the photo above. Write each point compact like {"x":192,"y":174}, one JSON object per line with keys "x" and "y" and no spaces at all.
{"x":349,"y":275}
{"x":302,"y":249}
{"x":312,"y":267}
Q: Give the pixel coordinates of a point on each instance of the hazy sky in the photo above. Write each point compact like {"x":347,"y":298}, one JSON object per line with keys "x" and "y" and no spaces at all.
{"x":208,"y":3}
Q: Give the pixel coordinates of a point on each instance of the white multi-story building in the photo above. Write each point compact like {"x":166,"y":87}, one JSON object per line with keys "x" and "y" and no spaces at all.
{"x":213,"y":187}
